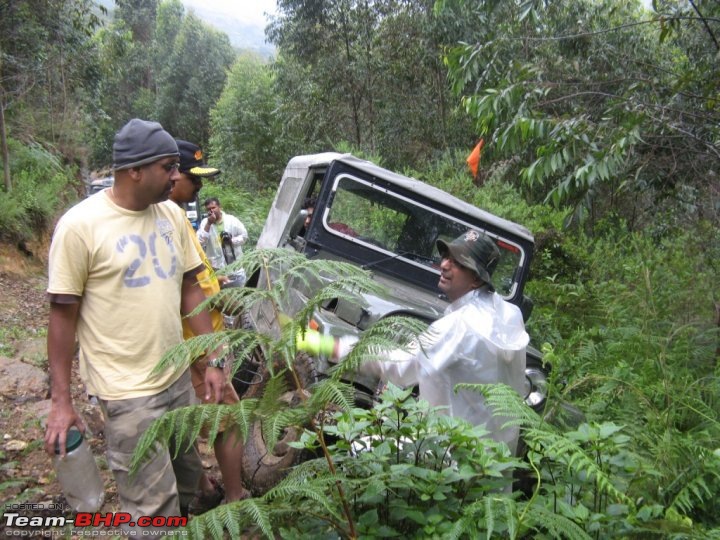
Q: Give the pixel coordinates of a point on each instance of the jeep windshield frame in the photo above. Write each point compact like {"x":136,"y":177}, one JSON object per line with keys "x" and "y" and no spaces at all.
{"x":390,"y":223}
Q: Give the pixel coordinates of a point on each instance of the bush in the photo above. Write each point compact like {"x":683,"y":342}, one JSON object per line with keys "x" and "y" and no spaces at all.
{"x":41,"y":188}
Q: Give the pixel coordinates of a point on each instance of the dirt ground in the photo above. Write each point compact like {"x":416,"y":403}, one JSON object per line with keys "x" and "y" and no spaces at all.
{"x":27,"y":479}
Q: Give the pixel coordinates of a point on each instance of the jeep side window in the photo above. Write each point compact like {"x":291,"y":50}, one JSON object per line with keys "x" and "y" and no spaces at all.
{"x":406,"y":230}
{"x":362,"y":212}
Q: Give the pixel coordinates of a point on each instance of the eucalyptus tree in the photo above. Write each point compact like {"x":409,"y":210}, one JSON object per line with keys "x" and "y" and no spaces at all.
{"x":161,"y":63}
{"x":247,"y":139}
{"x":46,"y":71}
{"x":585,"y":101}
{"x":191,"y":78}
{"x":365,"y":72}
{"x":127,"y":76}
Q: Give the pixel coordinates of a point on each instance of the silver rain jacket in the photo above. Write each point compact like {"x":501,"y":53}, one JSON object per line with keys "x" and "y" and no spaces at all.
{"x":481,"y":339}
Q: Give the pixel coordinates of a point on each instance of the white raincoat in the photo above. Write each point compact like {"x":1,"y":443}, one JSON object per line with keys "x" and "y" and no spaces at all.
{"x":481,"y":339}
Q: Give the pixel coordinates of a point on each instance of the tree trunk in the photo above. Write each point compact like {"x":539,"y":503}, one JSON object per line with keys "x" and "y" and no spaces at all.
{"x":5,"y":152}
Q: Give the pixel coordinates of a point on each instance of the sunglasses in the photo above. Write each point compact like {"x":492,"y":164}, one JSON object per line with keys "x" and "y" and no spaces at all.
{"x":169,"y":167}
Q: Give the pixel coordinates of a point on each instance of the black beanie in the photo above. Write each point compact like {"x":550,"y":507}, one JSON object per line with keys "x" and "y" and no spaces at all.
{"x":140,"y":142}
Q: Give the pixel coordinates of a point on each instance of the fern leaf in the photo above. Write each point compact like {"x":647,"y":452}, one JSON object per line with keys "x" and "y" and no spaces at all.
{"x":539,"y":518}
{"x":332,"y":392}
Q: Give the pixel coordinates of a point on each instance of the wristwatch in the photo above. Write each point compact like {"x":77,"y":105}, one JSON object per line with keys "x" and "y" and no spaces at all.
{"x":216,"y":363}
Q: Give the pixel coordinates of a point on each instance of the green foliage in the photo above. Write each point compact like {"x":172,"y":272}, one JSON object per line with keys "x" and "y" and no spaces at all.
{"x":158,"y":63}
{"x":606,"y":113}
{"x":339,"y":69}
{"x":636,"y":340}
{"x":248,"y":138}
{"x":191,"y":78}
{"x":46,"y":69}
{"x":407,"y":471}
{"x":294,"y":269}
{"x":33,"y":203}
{"x":585,"y":101}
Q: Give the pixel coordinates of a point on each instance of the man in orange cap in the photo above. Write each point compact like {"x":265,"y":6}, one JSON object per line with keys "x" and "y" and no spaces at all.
{"x":228,"y":448}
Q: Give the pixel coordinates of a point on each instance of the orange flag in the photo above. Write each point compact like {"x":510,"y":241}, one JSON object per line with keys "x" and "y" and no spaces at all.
{"x":473,"y":159}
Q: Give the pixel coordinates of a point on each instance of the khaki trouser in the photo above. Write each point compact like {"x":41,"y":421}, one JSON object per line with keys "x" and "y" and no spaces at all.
{"x":162,"y":484}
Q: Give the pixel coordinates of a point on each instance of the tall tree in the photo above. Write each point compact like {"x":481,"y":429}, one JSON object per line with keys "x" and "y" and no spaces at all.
{"x":192,"y":78}
{"x":175,"y":78}
{"x":46,"y":60}
{"x":365,"y":72}
{"x":247,"y":133}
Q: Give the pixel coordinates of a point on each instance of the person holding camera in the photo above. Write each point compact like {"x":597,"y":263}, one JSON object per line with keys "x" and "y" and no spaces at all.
{"x":221,"y":236}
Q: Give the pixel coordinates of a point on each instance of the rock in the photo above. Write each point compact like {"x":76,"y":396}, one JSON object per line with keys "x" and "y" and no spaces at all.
{"x":15,"y":446}
{"x":33,"y":351}
{"x":18,"y":379}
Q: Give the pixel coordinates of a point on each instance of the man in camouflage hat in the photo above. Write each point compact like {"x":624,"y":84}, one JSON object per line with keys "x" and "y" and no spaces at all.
{"x":480,"y":339}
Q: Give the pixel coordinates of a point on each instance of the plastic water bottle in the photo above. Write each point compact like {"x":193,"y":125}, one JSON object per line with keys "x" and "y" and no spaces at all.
{"x":78,"y":474}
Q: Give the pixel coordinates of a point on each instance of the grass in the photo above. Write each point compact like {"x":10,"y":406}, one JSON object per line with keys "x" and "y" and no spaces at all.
{"x":10,"y":338}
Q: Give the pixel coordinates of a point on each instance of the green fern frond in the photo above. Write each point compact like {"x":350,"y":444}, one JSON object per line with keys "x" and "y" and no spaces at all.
{"x":242,"y":414}
{"x":400,"y":329}
{"x":388,"y":334}
{"x":273,"y":426}
{"x":261,"y":258}
{"x":510,"y":519}
{"x":237,"y":416}
{"x":563,"y":450}
{"x":487,"y":513}
{"x":588,"y":351}
{"x":235,"y":300}
{"x":333,"y":392}
{"x":310,"y":483}
{"x":694,"y":481}
{"x":181,"y":426}
{"x":504,"y":401}
{"x":539,"y":518}
{"x":317,"y":490}
{"x":273,"y":391}
{"x":306,"y":472}
{"x":180,"y":356}
{"x":235,"y":518}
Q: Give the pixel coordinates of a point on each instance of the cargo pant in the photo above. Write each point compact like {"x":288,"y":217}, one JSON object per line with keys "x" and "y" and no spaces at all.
{"x":161,"y":485}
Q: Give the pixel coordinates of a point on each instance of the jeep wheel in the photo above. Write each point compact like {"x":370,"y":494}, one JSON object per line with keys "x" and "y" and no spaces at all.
{"x":262,"y":469}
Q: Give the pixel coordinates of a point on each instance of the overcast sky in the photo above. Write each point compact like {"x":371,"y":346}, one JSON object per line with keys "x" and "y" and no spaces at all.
{"x":244,"y":10}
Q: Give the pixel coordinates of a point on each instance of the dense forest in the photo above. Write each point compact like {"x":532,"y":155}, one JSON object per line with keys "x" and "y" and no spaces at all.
{"x":601,"y":129}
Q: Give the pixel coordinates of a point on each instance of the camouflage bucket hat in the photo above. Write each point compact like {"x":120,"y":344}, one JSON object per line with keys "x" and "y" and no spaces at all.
{"x":473,"y":250}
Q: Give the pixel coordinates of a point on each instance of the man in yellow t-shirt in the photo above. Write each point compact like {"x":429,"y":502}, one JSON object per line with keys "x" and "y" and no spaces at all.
{"x":122,"y":270}
{"x":228,"y":447}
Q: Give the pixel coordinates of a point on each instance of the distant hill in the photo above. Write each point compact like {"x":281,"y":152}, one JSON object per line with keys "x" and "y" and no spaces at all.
{"x":242,"y":34}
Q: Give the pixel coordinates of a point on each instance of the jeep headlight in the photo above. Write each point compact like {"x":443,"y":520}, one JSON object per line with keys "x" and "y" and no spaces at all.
{"x":535,"y":387}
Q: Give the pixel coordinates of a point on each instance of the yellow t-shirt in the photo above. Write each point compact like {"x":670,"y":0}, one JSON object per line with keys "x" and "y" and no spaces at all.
{"x":128,"y":267}
{"x":208,"y":283}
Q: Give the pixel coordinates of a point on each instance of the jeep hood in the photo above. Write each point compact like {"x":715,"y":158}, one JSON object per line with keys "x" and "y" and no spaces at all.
{"x":400,"y":299}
